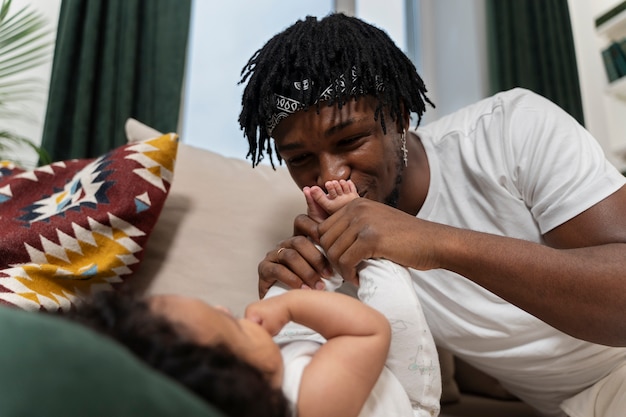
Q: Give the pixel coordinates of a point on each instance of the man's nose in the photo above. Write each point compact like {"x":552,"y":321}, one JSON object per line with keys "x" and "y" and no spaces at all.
{"x":332,"y":168}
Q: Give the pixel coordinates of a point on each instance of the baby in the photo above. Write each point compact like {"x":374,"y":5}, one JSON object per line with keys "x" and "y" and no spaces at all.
{"x":388,"y":288}
{"x":237,"y":367}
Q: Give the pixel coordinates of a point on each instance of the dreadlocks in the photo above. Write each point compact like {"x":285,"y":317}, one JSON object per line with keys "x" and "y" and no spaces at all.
{"x":320,"y":53}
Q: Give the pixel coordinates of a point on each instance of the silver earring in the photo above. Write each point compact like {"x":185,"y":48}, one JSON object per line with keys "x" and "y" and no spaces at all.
{"x":405,"y":151}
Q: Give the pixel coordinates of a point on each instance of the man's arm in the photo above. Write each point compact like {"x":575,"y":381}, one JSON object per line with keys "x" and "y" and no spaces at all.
{"x":576,"y":284}
{"x":344,"y":370}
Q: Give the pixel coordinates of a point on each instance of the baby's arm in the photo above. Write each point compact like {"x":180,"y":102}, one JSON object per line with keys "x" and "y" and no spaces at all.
{"x":344,"y":370}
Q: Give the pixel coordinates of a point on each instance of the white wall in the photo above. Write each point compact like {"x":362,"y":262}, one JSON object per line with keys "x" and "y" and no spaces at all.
{"x":388,"y":16}
{"x":604,"y":114}
{"x":217,"y":51}
{"x":453,"y":54}
{"x":452,"y":47}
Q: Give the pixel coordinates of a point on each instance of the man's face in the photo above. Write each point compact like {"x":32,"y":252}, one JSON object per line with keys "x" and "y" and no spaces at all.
{"x":340,"y":144}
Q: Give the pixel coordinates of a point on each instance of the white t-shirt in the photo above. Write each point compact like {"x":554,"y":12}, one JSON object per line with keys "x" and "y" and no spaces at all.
{"x":514,"y":165}
{"x":387,"y":398}
{"x":410,"y":383}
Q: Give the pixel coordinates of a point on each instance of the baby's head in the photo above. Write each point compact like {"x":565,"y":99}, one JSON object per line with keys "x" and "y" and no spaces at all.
{"x":233,"y":364}
{"x":211,"y":326}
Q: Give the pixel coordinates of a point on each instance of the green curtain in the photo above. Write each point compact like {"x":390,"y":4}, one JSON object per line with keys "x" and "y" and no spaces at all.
{"x":114,"y":59}
{"x":531,"y":45}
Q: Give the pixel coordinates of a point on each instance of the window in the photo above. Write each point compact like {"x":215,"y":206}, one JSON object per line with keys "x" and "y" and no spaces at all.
{"x":223,"y":36}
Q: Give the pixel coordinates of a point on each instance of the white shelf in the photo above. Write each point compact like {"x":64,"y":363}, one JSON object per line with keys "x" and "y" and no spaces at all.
{"x":618,"y":88}
{"x":614,"y":28}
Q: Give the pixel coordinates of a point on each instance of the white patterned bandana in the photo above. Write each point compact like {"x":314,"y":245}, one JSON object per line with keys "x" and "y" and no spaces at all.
{"x":286,"y":106}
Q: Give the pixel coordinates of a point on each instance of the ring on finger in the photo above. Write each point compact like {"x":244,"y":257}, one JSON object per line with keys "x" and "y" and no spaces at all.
{"x":279,"y":251}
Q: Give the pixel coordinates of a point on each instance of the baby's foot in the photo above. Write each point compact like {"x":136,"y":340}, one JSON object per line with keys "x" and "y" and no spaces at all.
{"x":314,"y":210}
{"x":321,"y":205}
{"x":339,"y":193}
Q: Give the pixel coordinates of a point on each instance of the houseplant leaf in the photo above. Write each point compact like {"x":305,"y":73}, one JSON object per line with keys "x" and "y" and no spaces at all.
{"x":24,"y":44}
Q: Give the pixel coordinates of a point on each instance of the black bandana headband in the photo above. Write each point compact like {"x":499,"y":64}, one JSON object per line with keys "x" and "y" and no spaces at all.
{"x":286,"y":106}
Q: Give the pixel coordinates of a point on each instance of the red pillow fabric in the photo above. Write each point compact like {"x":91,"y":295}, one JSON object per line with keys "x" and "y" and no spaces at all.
{"x":74,"y":227}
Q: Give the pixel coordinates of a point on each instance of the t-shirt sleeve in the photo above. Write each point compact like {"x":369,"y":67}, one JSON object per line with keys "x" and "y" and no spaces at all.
{"x":559,"y":169}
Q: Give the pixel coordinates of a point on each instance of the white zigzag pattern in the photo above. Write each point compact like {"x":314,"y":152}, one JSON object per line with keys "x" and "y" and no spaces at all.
{"x":62,"y":301}
{"x":84,"y":235}
{"x":151,"y":178}
{"x":157,"y":180}
{"x":59,"y":251}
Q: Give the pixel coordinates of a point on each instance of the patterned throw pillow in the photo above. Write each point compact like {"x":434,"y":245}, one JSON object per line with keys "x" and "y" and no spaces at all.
{"x":71,"y":228}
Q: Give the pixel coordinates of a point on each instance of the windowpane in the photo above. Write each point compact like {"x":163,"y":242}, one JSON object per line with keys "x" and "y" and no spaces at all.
{"x":223,"y":36}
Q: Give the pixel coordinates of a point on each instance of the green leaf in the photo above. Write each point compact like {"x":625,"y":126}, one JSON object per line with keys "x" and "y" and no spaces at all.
{"x":24,"y":44}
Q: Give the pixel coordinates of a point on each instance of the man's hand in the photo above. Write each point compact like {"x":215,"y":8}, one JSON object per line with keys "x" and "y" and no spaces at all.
{"x":296,"y":261}
{"x":365,"y":229}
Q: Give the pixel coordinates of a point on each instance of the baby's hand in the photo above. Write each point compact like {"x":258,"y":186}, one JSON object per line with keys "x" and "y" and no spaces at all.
{"x":270,"y":313}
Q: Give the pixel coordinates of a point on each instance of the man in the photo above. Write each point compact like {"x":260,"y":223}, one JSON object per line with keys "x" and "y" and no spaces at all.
{"x":507,"y":211}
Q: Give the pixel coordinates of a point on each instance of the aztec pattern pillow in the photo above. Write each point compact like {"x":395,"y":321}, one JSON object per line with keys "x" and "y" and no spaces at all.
{"x":71,"y":228}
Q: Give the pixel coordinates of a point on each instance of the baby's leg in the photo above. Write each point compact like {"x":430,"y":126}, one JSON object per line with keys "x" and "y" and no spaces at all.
{"x":412,"y":357}
{"x":320,"y":204}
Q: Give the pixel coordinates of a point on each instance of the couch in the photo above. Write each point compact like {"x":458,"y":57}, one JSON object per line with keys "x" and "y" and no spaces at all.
{"x":211,"y":220}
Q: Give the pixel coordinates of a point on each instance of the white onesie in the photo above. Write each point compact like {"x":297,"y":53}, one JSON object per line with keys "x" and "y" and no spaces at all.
{"x":412,"y":365}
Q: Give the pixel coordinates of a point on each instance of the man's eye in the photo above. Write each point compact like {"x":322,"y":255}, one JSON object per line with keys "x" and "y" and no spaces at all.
{"x":350,"y":141}
{"x":298,"y":159}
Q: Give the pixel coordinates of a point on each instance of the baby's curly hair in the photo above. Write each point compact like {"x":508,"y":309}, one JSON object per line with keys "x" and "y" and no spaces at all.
{"x":214,"y":373}
{"x":322,"y":51}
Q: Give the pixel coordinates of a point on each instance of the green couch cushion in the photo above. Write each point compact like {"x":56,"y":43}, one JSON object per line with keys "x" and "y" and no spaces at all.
{"x":52,"y":367}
